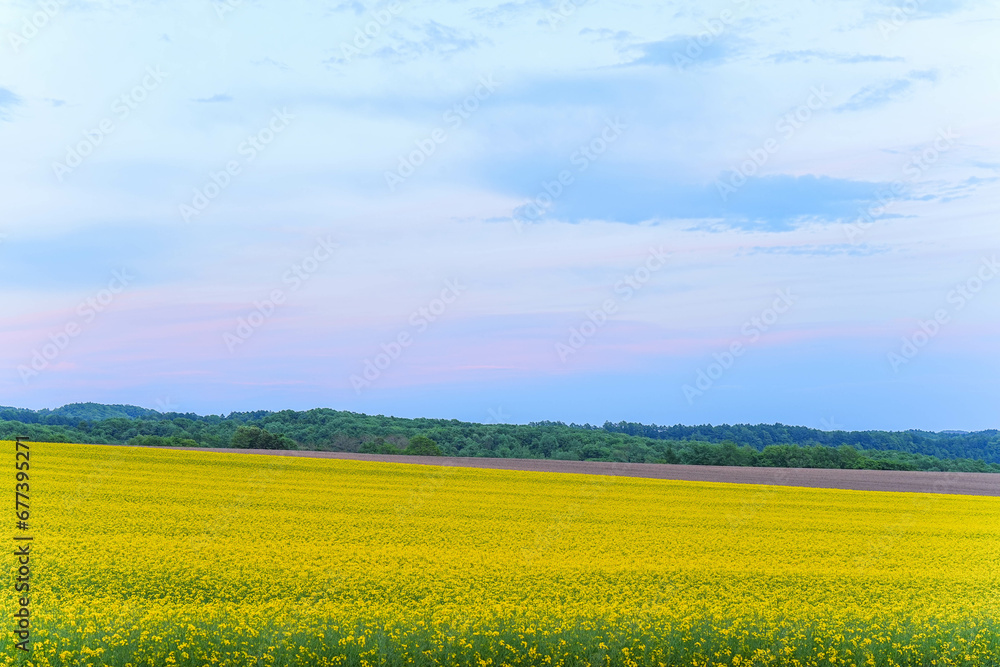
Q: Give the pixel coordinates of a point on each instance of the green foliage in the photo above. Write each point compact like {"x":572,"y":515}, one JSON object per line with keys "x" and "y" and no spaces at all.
{"x":254,"y":437}
{"x":331,"y":430}
{"x":160,"y":441}
{"x":379,"y":446}
{"x":74,"y":413}
{"x":983,"y":445}
{"x":421,"y":445}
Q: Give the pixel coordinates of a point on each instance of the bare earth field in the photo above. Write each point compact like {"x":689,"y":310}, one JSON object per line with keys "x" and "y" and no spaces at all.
{"x":959,"y":483}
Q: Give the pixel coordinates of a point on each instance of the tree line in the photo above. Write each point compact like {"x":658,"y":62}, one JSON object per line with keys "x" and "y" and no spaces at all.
{"x":331,"y":430}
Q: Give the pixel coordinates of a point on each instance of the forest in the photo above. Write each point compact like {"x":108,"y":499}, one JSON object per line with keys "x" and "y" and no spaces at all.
{"x":332,"y":430}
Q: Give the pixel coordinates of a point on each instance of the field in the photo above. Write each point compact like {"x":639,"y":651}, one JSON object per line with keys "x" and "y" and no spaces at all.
{"x":962,"y":483}
{"x":157,"y":557}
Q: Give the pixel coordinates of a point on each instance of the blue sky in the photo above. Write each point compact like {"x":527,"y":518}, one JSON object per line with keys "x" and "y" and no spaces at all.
{"x":710,"y":212}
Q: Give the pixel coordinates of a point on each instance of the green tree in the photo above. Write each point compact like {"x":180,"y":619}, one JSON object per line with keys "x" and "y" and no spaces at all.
{"x":548,"y":444}
{"x":254,"y":437}
{"x":378,"y":446}
{"x":421,"y":445}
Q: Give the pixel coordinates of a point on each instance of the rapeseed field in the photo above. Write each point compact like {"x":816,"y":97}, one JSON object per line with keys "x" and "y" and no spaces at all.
{"x":152,"y":557}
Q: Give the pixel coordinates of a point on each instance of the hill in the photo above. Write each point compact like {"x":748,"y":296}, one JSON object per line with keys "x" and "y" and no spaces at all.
{"x":331,"y":430}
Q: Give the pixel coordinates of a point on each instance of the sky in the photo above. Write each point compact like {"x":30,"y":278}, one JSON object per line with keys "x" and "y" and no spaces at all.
{"x":666,"y":212}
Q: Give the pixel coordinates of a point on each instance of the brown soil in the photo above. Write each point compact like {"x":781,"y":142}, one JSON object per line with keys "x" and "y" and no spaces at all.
{"x":961,"y":483}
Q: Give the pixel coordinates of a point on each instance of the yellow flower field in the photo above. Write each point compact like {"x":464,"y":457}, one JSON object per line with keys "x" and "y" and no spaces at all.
{"x":152,"y":557}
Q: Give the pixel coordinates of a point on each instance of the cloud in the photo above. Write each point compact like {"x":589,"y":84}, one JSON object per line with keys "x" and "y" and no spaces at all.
{"x":924,"y":75}
{"x":352,"y":5}
{"x":777,"y":203}
{"x":783,"y":57}
{"x":922,"y":9}
{"x":782,"y":202}
{"x":687,"y":51}
{"x":7,"y":100}
{"x":961,"y":189}
{"x":432,"y":38}
{"x":54,"y":102}
{"x":883,"y":93}
{"x":877,"y":95}
{"x":218,"y":97}
{"x":438,"y":39}
{"x":497,"y":17}
{"x":829,"y":250}
{"x":271,"y":62}
{"x":604,"y":34}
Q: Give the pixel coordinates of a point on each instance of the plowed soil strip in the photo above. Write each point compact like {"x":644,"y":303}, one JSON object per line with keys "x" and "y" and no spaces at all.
{"x":959,"y":483}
